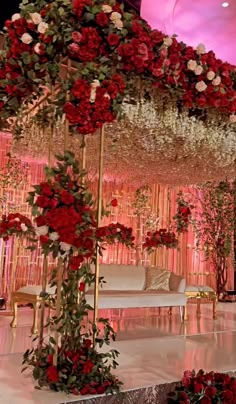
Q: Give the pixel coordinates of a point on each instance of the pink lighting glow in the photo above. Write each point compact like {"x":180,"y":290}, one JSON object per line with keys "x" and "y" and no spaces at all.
{"x":203,"y":21}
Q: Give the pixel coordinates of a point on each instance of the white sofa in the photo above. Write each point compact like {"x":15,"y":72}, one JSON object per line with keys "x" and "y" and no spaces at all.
{"x":125,"y":288}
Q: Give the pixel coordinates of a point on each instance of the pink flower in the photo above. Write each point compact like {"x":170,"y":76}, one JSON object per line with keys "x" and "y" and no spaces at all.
{"x":76,"y":36}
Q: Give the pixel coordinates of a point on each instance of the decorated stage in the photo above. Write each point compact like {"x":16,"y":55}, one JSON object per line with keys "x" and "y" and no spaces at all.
{"x":154,"y":352}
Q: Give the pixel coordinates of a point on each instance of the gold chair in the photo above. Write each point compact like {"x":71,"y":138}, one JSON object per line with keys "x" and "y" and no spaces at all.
{"x":28,"y":294}
{"x":199,"y":294}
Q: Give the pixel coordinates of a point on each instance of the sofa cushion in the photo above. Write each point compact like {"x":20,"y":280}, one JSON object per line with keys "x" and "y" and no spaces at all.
{"x":114,"y":299}
{"x":122,"y":277}
{"x":157,"y":279}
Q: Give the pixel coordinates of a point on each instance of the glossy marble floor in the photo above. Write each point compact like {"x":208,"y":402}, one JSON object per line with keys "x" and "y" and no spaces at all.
{"x":153,"y":350}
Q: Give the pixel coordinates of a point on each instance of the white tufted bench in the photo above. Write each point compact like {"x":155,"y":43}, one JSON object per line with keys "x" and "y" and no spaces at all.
{"x":29,"y":294}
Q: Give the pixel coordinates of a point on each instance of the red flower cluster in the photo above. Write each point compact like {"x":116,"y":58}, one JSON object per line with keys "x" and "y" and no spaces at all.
{"x":76,"y":363}
{"x":160,"y":238}
{"x":205,"y":388}
{"x":66,"y":220}
{"x":116,"y":233}
{"x":15,"y":224}
{"x":86,"y":45}
{"x":108,"y":45}
{"x":183,"y":214}
{"x":92,"y":104}
{"x":27,"y":50}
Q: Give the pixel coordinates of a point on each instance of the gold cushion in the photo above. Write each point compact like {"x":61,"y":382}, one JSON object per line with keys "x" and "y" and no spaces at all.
{"x":157,"y":279}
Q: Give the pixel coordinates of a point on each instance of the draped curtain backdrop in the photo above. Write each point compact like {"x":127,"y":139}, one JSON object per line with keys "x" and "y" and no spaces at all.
{"x":20,"y":267}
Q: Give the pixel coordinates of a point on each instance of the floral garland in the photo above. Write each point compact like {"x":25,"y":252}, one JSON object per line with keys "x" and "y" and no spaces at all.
{"x":112,"y":49}
{"x":64,"y":213}
{"x":15,"y":224}
{"x":204,"y":388}
{"x":116,"y":233}
{"x":160,"y":238}
{"x":182,"y":218}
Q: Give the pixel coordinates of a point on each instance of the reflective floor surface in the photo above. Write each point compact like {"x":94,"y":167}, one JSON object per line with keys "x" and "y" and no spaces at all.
{"x":153,"y":349}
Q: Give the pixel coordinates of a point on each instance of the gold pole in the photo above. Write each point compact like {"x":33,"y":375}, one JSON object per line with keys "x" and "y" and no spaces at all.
{"x":83,"y":145}
{"x":66,"y":133}
{"x":44,"y":288}
{"x":99,"y":215}
{"x":14,"y":263}
{"x":45,"y":259}
{"x":58,"y":306}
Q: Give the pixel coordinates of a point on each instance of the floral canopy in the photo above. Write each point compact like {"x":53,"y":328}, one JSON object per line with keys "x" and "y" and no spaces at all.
{"x":105,"y":63}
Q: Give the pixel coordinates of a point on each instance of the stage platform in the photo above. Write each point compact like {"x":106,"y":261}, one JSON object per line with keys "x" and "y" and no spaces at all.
{"x":154,"y":352}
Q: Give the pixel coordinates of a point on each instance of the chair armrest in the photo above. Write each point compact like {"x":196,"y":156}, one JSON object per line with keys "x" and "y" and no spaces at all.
{"x":177,"y":283}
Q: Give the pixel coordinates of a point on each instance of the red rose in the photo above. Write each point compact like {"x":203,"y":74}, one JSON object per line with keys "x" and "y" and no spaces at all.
{"x":50,"y":359}
{"x":53,"y":203}
{"x":82,"y":286}
{"x":84,"y":390}
{"x":46,"y":189}
{"x":88,"y":366}
{"x":87,"y":343}
{"x":102,"y":19}
{"x":233,"y":386}
{"x":228,"y":396}
{"x":76,"y":36}
{"x":52,"y":374}
{"x":44,"y":239}
{"x":113,"y":39}
{"x":205,"y":400}
{"x":67,"y":198}
{"x":114,"y":203}
{"x":184,"y":396}
{"x":75,"y":262}
{"x":42,"y":201}
{"x":101,"y":389}
{"x":198,"y":387}
{"x":210,"y":391}
{"x":71,"y":112}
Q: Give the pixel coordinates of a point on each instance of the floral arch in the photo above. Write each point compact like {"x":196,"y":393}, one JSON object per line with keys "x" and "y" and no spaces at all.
{"x":91,"y":62}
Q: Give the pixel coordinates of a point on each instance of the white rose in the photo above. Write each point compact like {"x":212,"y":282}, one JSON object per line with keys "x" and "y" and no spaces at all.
{"x":37,"y":48}
{"x":198,"y":70}
{"x":115,"y":16}
{"x":26,"y":38}
{"x":65,"y":246}
{"x":118,"y":24}
{"x":192,"y":64}
{"x":216,"y":81}
{"x":106,"y":8}
{"x":95,"y":83}
{"x":232,"y":118}
{"x":36,"y":18}
{"x":201,"y":86}
{"x":41,"y":230}
{"x":23,"y":227}
{"x":93,"y":95}
{"x":17,"y":219}
{"x":42,"y":27}
{"x":54,"y":236}
{"x":211,"y":75}
{"x":15,"y":17}
{"x":201,"y":49}
{"x":167,"y":41}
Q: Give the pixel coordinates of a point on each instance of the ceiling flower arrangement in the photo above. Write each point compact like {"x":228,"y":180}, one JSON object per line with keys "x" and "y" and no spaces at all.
{"x":111,"y":51}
